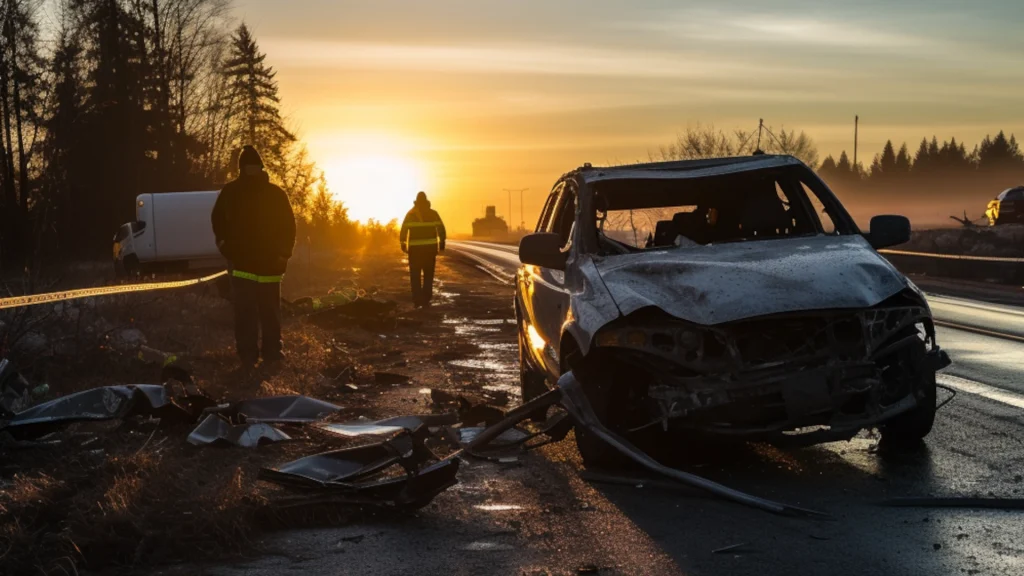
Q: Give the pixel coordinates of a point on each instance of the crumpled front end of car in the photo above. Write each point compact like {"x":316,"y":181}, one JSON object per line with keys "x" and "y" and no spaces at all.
{"x":810,"y":375}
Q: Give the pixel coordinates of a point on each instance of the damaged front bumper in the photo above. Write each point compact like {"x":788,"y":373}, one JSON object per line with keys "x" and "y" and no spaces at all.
{"x":803,"y":378}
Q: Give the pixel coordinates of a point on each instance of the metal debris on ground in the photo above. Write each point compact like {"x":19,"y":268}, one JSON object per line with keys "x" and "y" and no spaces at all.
{"x":164,"y":401}
{"x":390,"y":425}
{"x":215,"y":429}
{"x":363,"y":475}
{"x":293,"y":409}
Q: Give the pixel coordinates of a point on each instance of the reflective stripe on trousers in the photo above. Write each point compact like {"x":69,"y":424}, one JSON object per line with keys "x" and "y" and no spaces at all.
{"x":256,"y":277}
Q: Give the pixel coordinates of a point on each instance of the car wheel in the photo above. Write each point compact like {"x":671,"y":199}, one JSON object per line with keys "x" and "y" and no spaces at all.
{"x":597,"y":378}
{"x":909,"y":428}
{"x":531,"y":384}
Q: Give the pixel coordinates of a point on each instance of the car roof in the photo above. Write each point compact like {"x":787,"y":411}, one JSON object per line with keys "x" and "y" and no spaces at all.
{"x":1004,"y":193}
{"x":681,"y":169}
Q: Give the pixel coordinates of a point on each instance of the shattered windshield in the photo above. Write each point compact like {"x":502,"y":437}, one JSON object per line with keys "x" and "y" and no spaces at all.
{"x":763,"y":205}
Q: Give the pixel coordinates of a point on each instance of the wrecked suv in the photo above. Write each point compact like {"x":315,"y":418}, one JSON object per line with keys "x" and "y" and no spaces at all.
{"x":731,"y":297}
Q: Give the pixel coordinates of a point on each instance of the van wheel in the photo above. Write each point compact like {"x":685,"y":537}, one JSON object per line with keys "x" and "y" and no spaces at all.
{"x":131,"y":265}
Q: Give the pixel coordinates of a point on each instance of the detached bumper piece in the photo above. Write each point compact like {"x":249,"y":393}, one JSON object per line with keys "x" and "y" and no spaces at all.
{"x":401,"y":473}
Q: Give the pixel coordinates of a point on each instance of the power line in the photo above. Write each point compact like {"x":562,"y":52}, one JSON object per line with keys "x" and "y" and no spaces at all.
{"x":522,"y":222}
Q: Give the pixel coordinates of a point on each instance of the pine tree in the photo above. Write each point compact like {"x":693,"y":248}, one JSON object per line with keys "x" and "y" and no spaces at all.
{"x":877,"y":171}
{"x":827,"y":169}
{"x":923,"y":158}
{"x":886,"y":162}
{"x":999,"y":152}
{"x":843,"y":168}
{"x":902,"y":165}
{"x":254,"y":105}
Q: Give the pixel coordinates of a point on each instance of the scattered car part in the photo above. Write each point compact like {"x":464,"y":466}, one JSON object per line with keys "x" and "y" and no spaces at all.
{"x":108,"y":403}
{"x":216,"y":430}
{"x":358,"y":475}
{"x":279,"y":409}
{"x":389,"y":425}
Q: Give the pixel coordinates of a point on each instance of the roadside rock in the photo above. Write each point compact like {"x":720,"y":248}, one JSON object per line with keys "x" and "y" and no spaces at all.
{"x":129,"y":339}
{"x":32,"y":343}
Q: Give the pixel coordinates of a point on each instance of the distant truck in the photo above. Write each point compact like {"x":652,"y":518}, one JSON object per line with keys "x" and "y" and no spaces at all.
{"x":171,"y":232}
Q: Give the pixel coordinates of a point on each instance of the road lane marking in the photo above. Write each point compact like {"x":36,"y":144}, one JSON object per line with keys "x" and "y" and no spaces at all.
{"x":984,"y":390}
{"x":975,"y":330}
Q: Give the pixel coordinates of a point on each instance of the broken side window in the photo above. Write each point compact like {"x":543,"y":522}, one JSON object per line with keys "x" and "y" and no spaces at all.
{"x":827,"y":225}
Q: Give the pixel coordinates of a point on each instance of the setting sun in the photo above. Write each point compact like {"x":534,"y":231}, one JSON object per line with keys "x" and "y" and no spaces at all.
{"x":375,"y":186}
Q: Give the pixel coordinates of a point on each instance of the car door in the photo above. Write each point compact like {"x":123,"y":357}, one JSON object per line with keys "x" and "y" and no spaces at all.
{"x":550,"y":295}
{"x":527,"y":274}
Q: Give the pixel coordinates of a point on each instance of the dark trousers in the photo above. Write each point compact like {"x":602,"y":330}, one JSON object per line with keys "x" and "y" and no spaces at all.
{"x":421,"y":273}
{"x":257,"y":307}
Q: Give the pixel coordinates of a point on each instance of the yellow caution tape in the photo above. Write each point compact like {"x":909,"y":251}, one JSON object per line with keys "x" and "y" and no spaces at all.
{"x":34,"y":299}
{"x":953,"y":256}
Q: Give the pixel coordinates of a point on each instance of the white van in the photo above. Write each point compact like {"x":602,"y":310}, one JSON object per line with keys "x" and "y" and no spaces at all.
{"x":171,"y":232}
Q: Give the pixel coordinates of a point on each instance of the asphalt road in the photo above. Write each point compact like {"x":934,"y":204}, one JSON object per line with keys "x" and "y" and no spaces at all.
{"x":975,"y":450}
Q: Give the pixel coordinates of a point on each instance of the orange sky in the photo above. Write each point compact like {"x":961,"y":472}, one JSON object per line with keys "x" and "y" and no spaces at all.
{"x":466,"y":98}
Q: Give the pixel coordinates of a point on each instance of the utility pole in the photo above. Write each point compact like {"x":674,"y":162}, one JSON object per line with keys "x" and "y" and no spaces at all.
{"x":510,"y":191}
{"x":856,"y":126}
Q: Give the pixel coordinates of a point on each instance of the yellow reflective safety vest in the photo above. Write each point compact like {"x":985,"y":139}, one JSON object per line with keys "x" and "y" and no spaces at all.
{"x":422,"y":228}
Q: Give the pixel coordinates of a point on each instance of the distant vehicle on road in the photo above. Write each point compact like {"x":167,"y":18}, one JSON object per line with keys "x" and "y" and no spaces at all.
{"x":171,"y":232}
{"x":1007,"y":208}
{"x":732,"y":297}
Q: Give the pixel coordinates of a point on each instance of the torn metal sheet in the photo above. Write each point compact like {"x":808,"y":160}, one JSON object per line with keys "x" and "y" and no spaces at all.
{"x":281,"y":409}
{"x":510,"y":437}
{"x":107,"y":403}
{"x":216,"y":430}
{"x":360,"y":475}
{"x":389,"y":425}
{"x":574,"y":400}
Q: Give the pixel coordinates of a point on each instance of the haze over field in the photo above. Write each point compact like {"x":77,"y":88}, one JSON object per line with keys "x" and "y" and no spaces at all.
{"x":466,"y":98}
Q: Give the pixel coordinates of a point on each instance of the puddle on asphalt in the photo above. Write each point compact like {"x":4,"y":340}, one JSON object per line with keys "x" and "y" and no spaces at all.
{"x":467,"y":327}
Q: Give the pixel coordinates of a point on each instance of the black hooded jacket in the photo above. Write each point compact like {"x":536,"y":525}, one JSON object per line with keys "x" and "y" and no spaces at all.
{"x":254,"y":225}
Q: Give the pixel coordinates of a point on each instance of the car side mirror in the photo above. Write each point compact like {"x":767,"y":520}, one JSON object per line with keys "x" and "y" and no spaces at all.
{"x":543,"y":249}
{"x":888,"y":230}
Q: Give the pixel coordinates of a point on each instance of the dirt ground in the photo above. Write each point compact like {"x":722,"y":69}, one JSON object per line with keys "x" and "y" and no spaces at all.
{"x":128,"y":496}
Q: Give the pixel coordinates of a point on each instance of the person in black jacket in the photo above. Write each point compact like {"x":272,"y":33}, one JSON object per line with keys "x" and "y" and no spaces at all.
{"x":422,"y":237}
{"x":255,"y":231}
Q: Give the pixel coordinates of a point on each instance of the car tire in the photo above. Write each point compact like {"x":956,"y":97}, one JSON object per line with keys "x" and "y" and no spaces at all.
{"x":910,"y":428}
{"x":596,"y":380}
{"x":531,"y":383}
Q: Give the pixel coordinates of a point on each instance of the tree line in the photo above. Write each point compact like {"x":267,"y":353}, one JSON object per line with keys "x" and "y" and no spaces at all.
{"x":997,"y":154}
{"x":114,"y":98}
{"x":949,"y":175}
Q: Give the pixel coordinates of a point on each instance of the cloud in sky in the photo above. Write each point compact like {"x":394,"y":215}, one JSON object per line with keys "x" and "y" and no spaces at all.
{"x":476,"y":58}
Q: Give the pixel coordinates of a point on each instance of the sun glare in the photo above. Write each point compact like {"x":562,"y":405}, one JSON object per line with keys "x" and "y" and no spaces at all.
{"x":375,"y":186}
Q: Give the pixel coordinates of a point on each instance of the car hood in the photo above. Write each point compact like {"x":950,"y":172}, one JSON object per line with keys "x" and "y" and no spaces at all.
{"x":716,"y":284}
